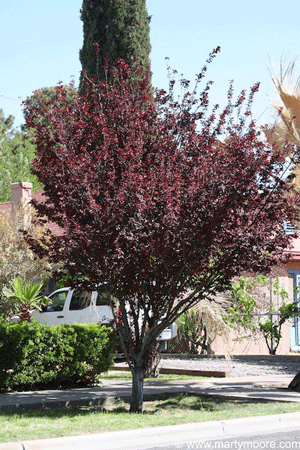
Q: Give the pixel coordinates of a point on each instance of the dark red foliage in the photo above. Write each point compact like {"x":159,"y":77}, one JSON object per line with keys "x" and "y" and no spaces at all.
{"x":164,"y":201}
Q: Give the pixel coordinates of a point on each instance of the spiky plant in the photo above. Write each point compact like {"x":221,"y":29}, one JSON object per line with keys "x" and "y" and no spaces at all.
{"x":27,"y":296}
{"x":289,"y":109}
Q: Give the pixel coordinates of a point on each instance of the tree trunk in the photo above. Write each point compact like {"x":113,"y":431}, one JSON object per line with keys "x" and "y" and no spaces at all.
{"x":137,"y":389}
{"x":25,"y":313}
{"x":295,"y":383}
{"x":152,"y":370}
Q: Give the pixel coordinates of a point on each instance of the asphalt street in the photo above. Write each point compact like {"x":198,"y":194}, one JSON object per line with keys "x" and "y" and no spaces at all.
{"x":285,"y":440}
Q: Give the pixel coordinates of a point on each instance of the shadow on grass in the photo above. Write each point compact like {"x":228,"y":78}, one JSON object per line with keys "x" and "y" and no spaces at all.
{"x":182,"y":402}
{"x":191,"y":402}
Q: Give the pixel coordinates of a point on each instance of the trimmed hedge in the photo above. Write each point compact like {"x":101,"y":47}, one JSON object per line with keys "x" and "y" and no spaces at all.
{"x":36,"y":356}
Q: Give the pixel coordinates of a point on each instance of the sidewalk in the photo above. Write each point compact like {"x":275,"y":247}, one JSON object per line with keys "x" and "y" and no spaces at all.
{"x":260,"y":388}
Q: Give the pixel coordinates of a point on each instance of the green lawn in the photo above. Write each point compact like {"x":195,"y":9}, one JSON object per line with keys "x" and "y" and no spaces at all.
{"x":45,"y":423}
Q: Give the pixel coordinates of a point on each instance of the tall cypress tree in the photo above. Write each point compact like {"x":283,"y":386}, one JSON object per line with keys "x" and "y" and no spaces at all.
{"x":120,"y":27}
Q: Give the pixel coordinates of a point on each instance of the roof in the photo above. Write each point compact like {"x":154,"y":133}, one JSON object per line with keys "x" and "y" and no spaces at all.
{"x":39,"y":197}
{"x":55,"y":229}
{"x":6,"y":207}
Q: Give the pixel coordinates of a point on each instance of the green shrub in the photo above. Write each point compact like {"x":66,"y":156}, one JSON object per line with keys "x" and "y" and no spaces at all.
{"x":36,"y":356}
{"x":271,"y":328}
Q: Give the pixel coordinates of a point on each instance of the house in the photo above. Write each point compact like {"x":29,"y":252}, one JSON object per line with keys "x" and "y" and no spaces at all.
{"x":22,"y":193}
{"x":243,"y":341}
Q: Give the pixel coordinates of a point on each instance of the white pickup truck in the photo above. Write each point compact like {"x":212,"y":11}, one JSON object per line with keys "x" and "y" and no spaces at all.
{"x":71,"y":306}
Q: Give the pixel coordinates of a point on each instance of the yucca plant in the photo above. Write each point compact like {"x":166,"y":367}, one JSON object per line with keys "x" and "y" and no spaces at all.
{"x":27,"y":296}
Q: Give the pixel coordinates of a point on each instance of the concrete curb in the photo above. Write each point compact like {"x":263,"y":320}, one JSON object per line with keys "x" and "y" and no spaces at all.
{"x":177,"y":435}
{"x":12,"y":446}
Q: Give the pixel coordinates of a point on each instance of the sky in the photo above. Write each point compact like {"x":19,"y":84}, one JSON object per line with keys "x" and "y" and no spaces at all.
{"x":40,"y":43}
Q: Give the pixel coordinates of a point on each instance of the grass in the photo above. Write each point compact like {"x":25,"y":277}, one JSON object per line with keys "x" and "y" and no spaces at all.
{"x":48,"y":423}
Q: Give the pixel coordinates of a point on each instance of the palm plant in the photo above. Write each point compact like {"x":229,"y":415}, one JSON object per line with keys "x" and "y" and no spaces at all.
{"x":27,"y":296}
{"x":288,"y":110}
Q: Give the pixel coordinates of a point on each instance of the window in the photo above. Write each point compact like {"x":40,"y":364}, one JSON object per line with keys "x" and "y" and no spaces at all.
{"x":102,"y":298}
{"x":289,"y":228}
{"x":57,"y":302}
{"x":80,"y":300}
{"x":295,"y":329}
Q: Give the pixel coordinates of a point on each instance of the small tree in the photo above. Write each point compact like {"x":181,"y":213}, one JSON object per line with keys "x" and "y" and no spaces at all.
{"x":164,"y":201}
{"x":17,"y":260}
{"x":242,"y":313}
{"x":271,"y":328}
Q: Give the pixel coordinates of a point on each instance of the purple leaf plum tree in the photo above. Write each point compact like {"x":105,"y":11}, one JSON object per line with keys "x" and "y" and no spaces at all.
{"x":163,"y":200}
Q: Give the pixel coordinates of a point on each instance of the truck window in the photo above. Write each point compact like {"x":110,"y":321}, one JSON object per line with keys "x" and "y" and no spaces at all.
{"x":102,"y":298}
{"x":80,"y":300}
{"x":57,"y":302}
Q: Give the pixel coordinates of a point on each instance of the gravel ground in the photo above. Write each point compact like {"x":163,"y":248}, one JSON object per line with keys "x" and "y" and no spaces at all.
{"x":237,"y":368}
